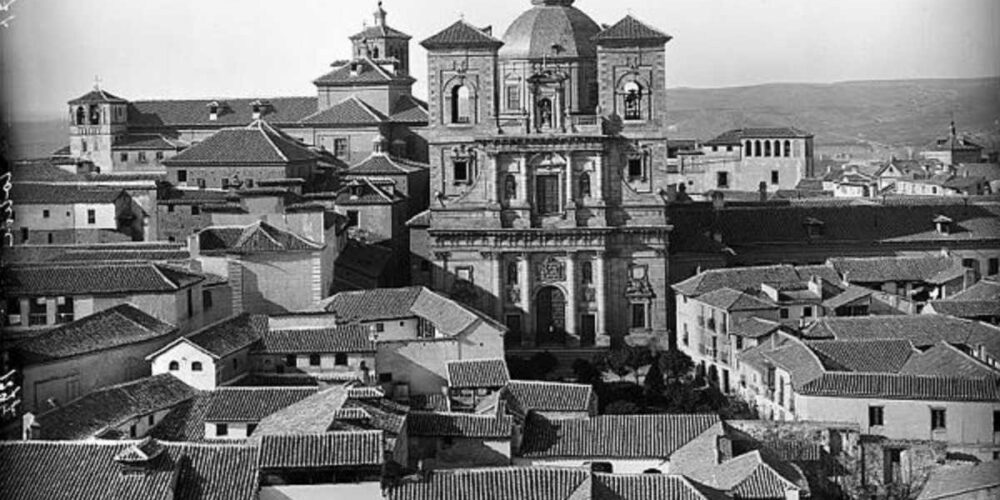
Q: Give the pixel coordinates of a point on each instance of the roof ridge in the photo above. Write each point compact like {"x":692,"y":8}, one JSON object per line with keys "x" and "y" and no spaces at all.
{"x":261,"y":124}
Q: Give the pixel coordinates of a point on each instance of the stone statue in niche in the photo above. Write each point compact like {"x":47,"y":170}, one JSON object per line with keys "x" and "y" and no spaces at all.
{"x":550,"y":270}
{"x":513,"y":294}
{"x":639,"y":287}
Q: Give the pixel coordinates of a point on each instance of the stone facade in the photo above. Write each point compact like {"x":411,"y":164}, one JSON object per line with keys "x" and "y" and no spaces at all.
{"x":547,"y":172}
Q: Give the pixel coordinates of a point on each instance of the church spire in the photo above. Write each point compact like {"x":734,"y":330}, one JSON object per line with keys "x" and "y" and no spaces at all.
{"x":380,"y":15}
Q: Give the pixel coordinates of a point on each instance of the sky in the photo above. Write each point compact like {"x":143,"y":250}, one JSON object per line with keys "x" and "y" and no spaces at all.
{"x":53,"y":50}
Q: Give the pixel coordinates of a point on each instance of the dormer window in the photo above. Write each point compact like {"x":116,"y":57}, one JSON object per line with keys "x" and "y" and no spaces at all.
{"x":355,"y":68}
{"x":259,"y":108}
{"x":256,"y":111}
{"x":213,"y":111}
{"x":943,"y":224}
{"x":814,"y":227}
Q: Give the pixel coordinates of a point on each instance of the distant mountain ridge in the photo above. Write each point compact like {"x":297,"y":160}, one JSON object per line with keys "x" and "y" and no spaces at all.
{"x":898,"y":113}
{"x":893,"y":112}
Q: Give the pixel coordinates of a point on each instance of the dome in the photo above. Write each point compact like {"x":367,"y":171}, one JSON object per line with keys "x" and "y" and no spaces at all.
{"x":551,"y":28}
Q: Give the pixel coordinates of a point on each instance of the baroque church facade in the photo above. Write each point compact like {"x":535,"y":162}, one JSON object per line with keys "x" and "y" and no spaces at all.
{"x":548,"y":154}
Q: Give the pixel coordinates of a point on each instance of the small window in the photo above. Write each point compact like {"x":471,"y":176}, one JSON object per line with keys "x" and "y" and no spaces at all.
{"x":340,"y":147}
{"x":45,"y":214}
{"x":876,"y":416}
{"x":379,"y":327}
{"x":201,"y":184}
{"x":638,"y":315}
{"x":250,"y":429}
{"x":783,"y":313}
{"x":290,"y":360}
{"x":151,"y":420}
{"x":774,"y":177}
{"x":182,"y":176}
{"x":91,"y":216}
{"x":225,"y":183}
{"x":170,"y":209}
{"x":464,"y":273}
{"x":174,"y":366}
{"x":340,"y":359}
{"x":460,"y":171}
{"x":314,"y":359}
{"x":384,"y":378}
{"x":938,"y":422}
{"x":807,"y":311}
{"x":513,"y":97}
{"x":722,"y":180}
{"x":996,"y":421}
{"x":196,"y":366}
{"x":142,"y":157}
{"x":635,"y":170}
{"x":133,"y":432}
{"x":352,"y":218}
{"x":206,"y":299}
{"x":159,"y":156}
{"x":221,"y":429}
{"x":993,"y":266}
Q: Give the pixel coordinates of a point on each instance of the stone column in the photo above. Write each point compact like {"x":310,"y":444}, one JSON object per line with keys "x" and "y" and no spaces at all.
{"x":524,"y":282}
{"x":522,"y":181}
{"x":572,"y":335}
{"x":601,"y":338}
{"x":597,"y":190}
{"x":569,"y":182}
{"x":492,"y":179}
{"x":496,"y":283}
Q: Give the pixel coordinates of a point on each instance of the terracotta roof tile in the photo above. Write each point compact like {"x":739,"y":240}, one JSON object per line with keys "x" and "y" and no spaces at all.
{"x":891,"y":386}
{"x":630,"y":29}
{"x":875,"y":356}
{"x":613,"y":435}
{"x":97,"y":96}
{"x":409,"y":109}
{"x":252,"y":404}
{"x":734,"y":300}
{"x":474,"y":373}
{"x":649,"y":486}
{"x":733,"y":137}
{"x":86,"y":417}
{"x":359,"y":71}
{"x":331,"y":449}
{"x":931,"y":269}
{"x":115,"y":327}
{"x":313,"y":414}
{"x":523,"y":483}
{"x":185,"y":422}
{"x":459,"y":425}
{"x":88,"y":470}
{"x":461,"y":34}
{"x":946,"y":360}
{"x":922,"y":330}
{"x":146,"y":142}
{"x":379,"y":31}
{"x":231,"y":335}
{"x":91,"y":278}
{"x":372,"y":305}
{"x":259,"y":237}
{"x":344,"y":338}
{"x":28,"y":193}
{"x":383,"y":164}
{"x":527,"y":395}
{"x":350,"y":111}
{"x":255,"y":144}
{"x":955,"y":481}
{"x":232,"y":112}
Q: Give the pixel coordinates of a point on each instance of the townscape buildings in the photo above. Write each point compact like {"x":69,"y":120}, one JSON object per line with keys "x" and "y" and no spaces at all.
{"x":336,"y":295}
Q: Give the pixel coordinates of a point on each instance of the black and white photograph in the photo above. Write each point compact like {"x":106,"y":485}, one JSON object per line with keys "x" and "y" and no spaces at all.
{"x":481,"y":250}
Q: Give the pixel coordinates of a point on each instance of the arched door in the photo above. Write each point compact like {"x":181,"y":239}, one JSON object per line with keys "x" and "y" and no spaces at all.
{"x":550,"y":316}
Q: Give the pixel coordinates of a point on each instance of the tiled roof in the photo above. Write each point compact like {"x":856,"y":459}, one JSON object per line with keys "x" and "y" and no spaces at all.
{"x":526,"y":395}
{"x":379,"y":31}
{"x":749,"y":476}
{"x":185,"y":422}
{"x":447,"y":316}
{"x":383,"y":164}
{"x":373,"y":305}
{"x":331,"y":449}
{"x":255,"y":144}
{"x":750,"y":278}
{"x":364,"y":191}
{"x":612,"y":435}
{"x":630,"y":29}
{"x":258,"y":237}
{"x":947,"y":360}
{"x":27,"y":193}
{"x":173,"y":196}
{"x":471,"y":373}
{"x":551,"y":28}
{"x":380,"y":413}
{"x":787,"y":353}
{"x":146,"y":142}
{"x":232,"y":112}
{"x":876,"y":356}
{"x":96,"y":96}
{"x":967,"y":308}
{"x":985,"y":289}
{"x":231,"y":335}
{"x":791,"y":450}
{"x":350,"y":111}
{"x":343,"y":338}
{"x":850,"y":294}
{"x":93,"y":278}
{"x":111,"y":255}
{"x":753,"y":327}
{"x":905,"y":387}
{"x":88,"y":470}
{"x":650,"y":486}
{"x":923,"y":330}
{"x":369,"y":260}
{"x":461,"y":34}
{"x":734,"y":300}
{"x":108,"y":407}
{"x":115,"y":327}
{"x":931,"y":269}
{"x":360,"y":71}
{"x":495,"y":483}
{"x":459,"y":425}
{"x":252,"y":404}
{"x":956,"y":481}
{"x":409,"y":109}
{"x":733,"y":137}
{"x":313,"y":414}
{"x":430,"y":402}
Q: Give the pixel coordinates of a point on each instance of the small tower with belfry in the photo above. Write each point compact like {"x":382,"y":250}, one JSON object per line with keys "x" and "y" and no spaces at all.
{"x":96,"y":119}
{"x":383,"y":43}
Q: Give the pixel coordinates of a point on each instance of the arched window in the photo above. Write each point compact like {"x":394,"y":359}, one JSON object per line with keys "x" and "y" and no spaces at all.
{"x":788,"y":148}
{"x":756,"y":148}
{"x":633,"y":101}
{"x":196,"y":366}
{"x":375,"y":53}
{"x":461,"y":104}
{"x":777,"y":148}
{"x":585,"y":185}
{"x":509,"y":187}
{"x":587,"y":273}
{"x":95,"y":114}
{"x":767,"y":148}
{"x":748,"y":149}
{"x":174,"y":366}
{"x":81,"y":115}
{"x":512,"y":273}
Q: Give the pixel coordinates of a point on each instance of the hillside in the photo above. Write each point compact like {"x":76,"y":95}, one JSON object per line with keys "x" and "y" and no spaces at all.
{"x":899,"y":113}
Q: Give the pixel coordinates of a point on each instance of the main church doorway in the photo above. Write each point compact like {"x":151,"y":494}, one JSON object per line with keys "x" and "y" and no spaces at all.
{"x":550,"y":316}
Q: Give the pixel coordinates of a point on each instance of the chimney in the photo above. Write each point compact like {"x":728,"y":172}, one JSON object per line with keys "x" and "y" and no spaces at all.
{"x":378,"y":145}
